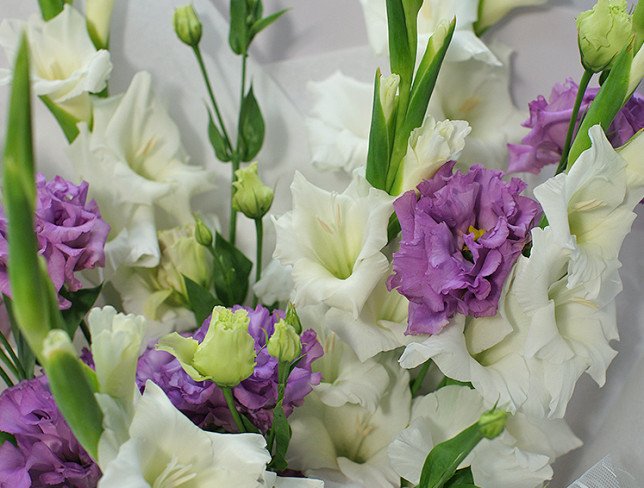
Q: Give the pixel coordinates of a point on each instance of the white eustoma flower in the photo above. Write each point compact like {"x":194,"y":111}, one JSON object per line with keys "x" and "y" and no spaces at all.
{"x":492,"y":11}
{"x":465,"y":44}
{"x":590,"y":209}
{"x":65,"y":65}
{"x":519,"y":458}
{"x":430,"y":147}
{"x":347,"y":445}
{"x":479,"y":93}
{"x":166,"y":450}
{"x":334,"y":242}
{"x":275,"y":285}
{"x":380,"y":326}
{"x":338,"y":126}
{"x":134,"y":161}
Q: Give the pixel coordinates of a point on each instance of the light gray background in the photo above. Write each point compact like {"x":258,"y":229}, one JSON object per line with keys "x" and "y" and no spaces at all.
{"x":312,"y":41}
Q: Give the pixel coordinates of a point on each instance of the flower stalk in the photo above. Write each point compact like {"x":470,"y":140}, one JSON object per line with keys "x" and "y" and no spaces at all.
{"x":230,"y":401}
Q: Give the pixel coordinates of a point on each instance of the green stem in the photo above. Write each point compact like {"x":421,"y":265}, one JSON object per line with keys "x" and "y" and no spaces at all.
{"x":232,"y":226}
{"x":21,"y":371}
{"x":583,"y":85}
{"x":259,"y":231}
{"x":5,"y":378}
{"x":281,"y":388}
{"x":211,"y":93}
{"x":418,"y":381}
{"x":230,"y":401}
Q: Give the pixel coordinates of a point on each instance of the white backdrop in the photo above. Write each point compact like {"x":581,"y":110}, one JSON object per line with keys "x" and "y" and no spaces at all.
{"x":313,"y":40}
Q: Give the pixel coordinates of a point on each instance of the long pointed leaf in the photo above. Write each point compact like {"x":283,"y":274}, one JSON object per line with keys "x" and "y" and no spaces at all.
{"x":379,"y":146}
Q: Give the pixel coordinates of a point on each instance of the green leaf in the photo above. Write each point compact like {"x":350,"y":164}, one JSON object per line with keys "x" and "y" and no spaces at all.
{"x":400,"y":55}
{"x":248,"y":425}
{"x":262,"y":24}
{"x":282,"y":432}
{"x":251,"y":127}
{"x":231,"y":272}
{"x":68,"y":123}
{"x":201,"y":300}
{"x":638,"y":25}
{"x":411,"y":8}
{"x":217,"y":141}
{"x":379,"y":144}
{"x":50,"y":8}
{"x":238,"y":37}
{"x":25,"y":354}
{"x":82,"y":301}
{"x":610,"y":99}
{"x":74,"y":396}
{"x":462,"y":477}
{"x":421,"y":92}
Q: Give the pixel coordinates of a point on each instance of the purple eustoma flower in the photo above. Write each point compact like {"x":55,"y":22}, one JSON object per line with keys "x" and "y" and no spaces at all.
{"x":71,"y":234}
{"x":46,"y":453}
{"x":549,"y":121}
{"x":204,"y":403}
{"x":461,"y":235}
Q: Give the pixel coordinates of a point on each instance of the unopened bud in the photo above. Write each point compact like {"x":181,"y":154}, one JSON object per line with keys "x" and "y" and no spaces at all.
{"x":492,"y":423}
{"x":187,"y":25}
{"x":293,"y":319}
{"x":252,"y":197}
{"x":203,"y":235}
{"x":284,"y":344}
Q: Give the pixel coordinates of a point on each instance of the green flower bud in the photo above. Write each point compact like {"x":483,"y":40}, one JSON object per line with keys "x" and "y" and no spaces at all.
{"x":227,"y":354}
{"x":389,"y":94}
{"x":252,"y":197}
{"x":293,"y":319}
{"x":603,"y":32}
{"x":187,"y":25}
{"x":492,"y":423}
{"x":284,"y":344}
{"x":202,"y":233}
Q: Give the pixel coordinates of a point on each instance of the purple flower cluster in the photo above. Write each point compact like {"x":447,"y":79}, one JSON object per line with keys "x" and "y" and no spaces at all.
{"x":71,"y":233}
{"x":461,"y":235}
{"x":203,"y":402}
{"x":549,"y":121}
{"x":46,"y":453}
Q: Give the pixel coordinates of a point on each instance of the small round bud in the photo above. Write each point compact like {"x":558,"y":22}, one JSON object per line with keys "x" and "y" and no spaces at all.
{"x":252,"y":197}
{"x":187,"y":25}
{"x":602,"y":33}
{"x":203,"y":235}
{"x":293,"y":319}
{"x":284,"y":344}
{"x":492,"y":423}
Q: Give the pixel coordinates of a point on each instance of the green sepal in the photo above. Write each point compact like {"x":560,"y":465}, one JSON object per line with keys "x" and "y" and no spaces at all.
{"x":73,"y":393}
{"x":262,"y":24}
{"x":217,"y":141}
{"x":609,"y":100}
{"x":67,"y":122}
{"x":5,"y":437}
{"x":379,"y":142}
{"x":462,"y":478}
{"x":251,"y":127}
{"x":82,"y":301}
{"x":238,"y":37}
{"x":231,"y":271}
{"x":400,"y":54}
{"x":50,"y":8}
{"x":421,"y":92}
{"x":201,"y":300}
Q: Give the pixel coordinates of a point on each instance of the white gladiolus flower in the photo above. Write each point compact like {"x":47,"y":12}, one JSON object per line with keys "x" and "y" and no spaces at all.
{"x":590,"y":209}
{"x":334,"y":242}
{"x":465,"y":44}
{"x":275,"y":285}
{"x":479,"y":93}
{"x":492,"y":11}
{"x":133,"y":160}
{"x":165,"y":450}
{"x":65,"y":65}
{"x":430,"y":147}
{"x":347,"y":445}
{"x":519,"y":458}
{"x":338,"y":127}
{"x":380,"y":327}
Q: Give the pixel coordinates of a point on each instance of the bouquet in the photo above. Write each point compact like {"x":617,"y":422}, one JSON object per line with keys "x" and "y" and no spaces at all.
{"x":426,"y":326}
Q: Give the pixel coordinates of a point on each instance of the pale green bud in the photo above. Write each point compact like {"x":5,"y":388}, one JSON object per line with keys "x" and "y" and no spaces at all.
{"x":252,"y":197}
{"x":293,"y":319}
{"x":389,"y":94}
{"x":284,"y":344}
{"x":202,"y":233}
{"x":603,"y":32}
{"x":227,"y":354}
{"x":187,"y":25}
{"x":492,"y":423}
{"x":99,"y":16}
{"x":182,"y":255}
